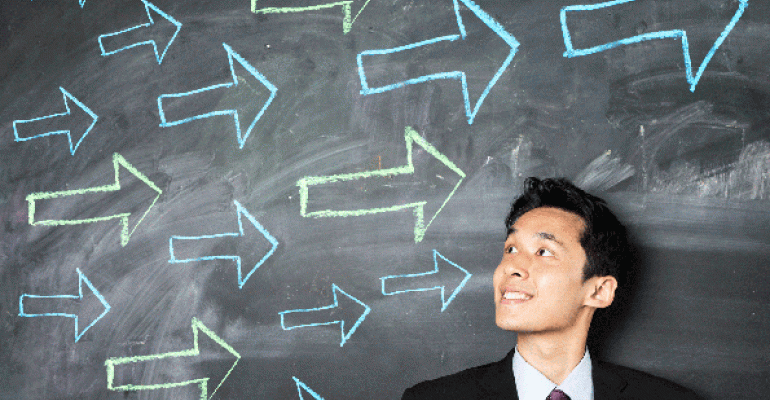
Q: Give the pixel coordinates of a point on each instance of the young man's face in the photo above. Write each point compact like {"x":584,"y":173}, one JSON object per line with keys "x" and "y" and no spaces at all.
{"x":539,"y":283}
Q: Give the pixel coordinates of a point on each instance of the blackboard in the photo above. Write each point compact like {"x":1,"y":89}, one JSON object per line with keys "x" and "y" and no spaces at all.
{"x":249,"y":199}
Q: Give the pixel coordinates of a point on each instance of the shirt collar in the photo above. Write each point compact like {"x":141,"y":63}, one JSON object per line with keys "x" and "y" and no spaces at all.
{"x":531,"y":384}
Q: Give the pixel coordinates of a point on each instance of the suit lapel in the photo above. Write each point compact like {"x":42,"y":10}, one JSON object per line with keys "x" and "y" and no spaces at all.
{"x":498,"y":382}
{"x":607,"y":384}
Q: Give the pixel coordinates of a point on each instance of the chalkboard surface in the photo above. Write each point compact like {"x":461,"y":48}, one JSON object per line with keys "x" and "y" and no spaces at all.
{"x":284,"y":199}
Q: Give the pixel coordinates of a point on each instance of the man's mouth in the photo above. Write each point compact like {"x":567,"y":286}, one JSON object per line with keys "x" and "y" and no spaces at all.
{"x":516,"y":295}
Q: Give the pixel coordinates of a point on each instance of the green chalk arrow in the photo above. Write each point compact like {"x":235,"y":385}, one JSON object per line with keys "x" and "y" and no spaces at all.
{"x":52,"y":200}
{"x":386,"y":176}
{"x":128,"y":364}
{"x":347,"y":10}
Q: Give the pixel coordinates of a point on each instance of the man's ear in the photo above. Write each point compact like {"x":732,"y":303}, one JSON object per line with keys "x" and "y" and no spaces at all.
{"x":601,"y":291}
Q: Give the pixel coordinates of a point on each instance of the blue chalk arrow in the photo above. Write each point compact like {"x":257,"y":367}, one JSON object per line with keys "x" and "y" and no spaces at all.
{"x":671,"y":34}
{"x":127,"y":38}
{"x":248,"y":124}
{"x":470,"y":113}
{"x":244,"y":234}
{"x":49,"y":301}
{"x":302,"y":387}
{"x":448,"y":277}
{"x":55,"y":124}
{"x":326,"y":315}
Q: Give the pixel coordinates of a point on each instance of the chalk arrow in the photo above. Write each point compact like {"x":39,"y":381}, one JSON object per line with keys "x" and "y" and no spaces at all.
{"x":448,"y":279}
{"x":59,"y":124}
{"x":248,"y":233}
{"x":139,"y":35}
{"x":244,"y":117}
{"x":379,"y":179}
{"x":57,"y":304}
{"x":84,"y":206}
{"x":692,"y":79}
{"x":122,"y":372}
{"x":346,"y":311}
{"x":347,"y":10}
{"x":301,"y":387}
{"x":470,"y":112}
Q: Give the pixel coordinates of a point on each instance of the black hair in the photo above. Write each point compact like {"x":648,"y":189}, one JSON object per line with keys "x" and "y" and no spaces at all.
{"x":604,"y":238}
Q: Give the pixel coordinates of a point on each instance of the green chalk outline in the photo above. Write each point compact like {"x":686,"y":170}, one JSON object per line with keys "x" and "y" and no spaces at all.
{"x":117,"y":161}
{"x":411,"y":136}
{"x":202,"y":382}
{"x":347,"y":12}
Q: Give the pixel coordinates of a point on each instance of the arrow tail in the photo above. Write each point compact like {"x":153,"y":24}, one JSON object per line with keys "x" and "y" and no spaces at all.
{"x":181,"y":100}
{"x":183,"y":249}
{"x":348,"y":19}
{"x":32,"y":305}
{"x":366,"y":90}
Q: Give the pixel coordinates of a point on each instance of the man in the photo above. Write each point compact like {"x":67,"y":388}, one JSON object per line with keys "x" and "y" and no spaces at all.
{"x":562,"y":261}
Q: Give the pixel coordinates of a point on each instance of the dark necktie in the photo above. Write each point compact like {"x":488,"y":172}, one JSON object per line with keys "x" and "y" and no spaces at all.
{"x":557,"y":394}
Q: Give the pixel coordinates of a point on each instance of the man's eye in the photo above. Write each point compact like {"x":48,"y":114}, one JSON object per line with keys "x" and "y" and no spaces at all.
{"x":511,"y":250}
{"x":544,"y":253}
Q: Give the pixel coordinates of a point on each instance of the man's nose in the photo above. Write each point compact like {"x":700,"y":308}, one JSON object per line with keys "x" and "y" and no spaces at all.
{"x":517,"y":266}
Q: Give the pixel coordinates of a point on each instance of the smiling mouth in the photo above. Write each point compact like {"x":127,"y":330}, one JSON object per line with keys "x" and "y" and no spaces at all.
{"x":516,"y":296}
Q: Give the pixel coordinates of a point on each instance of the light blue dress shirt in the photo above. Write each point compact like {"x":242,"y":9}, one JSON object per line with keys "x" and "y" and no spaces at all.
{"x":531,"y":384}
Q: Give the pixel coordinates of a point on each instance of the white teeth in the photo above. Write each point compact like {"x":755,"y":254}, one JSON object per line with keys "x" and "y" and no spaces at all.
{"x":516,"y":296}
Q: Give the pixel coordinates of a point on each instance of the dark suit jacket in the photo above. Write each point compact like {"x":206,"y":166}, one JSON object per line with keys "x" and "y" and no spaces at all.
{"x":495,"y":381}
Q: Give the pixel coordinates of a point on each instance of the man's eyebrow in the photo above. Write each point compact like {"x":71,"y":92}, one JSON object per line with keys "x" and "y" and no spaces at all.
{"x":549,"y":236}
{"x":541,"y":235}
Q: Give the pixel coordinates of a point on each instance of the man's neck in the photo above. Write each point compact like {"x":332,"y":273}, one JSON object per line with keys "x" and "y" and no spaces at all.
{"x":555,"y":355}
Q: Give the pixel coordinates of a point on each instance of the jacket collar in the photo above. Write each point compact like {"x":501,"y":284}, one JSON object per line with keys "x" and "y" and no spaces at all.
{"x":500,"y":383}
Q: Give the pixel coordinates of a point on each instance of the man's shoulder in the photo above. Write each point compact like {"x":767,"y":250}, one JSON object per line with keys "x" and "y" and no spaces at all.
{"x":635,"y":384}
{"x":478,"y":382}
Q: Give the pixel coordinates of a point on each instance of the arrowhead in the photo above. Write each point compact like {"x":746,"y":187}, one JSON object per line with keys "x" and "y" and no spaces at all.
{"x":450,"y":177}
{"x":217,"y":357}
{"x":81,"y":120}
{"x":349,"y":311}
{"x":162,"y":26}
{"x":246,"y":95}
{"x":451,"y":276}
{"x":301,"y":387}
{"x":480,"y":45}
{"x":83,"y":318}
{"x":256,"y":246}
{"x":148,"y":191}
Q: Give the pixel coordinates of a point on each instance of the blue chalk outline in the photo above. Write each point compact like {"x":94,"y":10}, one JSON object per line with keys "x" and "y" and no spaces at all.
{"x":230,"y":55}
{"x":67,"y":132}
{"x":345,"y":336}
{"x":301,"y":385}
{"x":81,"y":2}
{"x":242,"y":212}
{"x":444,"y":301}
{"x":147,"y":7}
{"x":459,"y":75}
{"x":81,"y":278}
{"x":672,"y":34}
